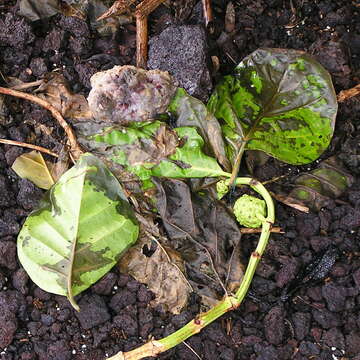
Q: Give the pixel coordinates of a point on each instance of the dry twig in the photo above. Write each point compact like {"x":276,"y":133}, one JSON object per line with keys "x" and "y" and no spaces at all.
{"x":28,"y":85}
{"x":75,"y":150}
{"x":349,"y":93}
{"x":117,"y":8}
{"x":30,"y":146}
{"x":290,"y":202}
{"x":274,"y":229}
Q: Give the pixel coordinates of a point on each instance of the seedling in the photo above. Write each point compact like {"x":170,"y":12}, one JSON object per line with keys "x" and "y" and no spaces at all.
{"x":279,"y":101}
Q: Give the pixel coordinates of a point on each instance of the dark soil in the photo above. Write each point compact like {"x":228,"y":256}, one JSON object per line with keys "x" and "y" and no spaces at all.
{"x":318,"y":320}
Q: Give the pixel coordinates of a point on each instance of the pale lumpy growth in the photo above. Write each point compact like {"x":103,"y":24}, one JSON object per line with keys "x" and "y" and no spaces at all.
{"x":125,"y":93}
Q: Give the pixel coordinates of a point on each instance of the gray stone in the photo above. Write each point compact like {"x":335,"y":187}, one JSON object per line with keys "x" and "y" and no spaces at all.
{"x":183,"y":52}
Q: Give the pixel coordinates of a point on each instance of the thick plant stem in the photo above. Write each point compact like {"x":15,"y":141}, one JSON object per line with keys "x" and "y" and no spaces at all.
{"x":155,"y":347}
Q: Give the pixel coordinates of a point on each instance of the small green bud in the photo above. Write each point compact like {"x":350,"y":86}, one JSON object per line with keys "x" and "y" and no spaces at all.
{"x":250,"y":211}
{"x":222,"y":188}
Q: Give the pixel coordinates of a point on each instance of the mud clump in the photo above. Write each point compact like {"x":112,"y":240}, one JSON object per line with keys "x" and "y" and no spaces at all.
{"x":126,"y":94}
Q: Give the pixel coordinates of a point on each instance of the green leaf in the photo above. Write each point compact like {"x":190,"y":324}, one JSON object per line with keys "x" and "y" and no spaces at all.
{"x":279,"y":101}
{"x":32,"y":166}
{"x":326,"y":182}
{"x":82,"y":227}
{"x":189,"y":160}
{"x":192,"y":112}
{"x":138,"y":148}
{"x":149,"y":149}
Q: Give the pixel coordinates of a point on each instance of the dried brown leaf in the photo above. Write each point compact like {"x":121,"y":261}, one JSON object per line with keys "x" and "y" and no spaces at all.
{"x":205,"y":234}
{"x":230,"y":18}
{"x":55,"y":90}
{"x":61,"y":166}
{"x":162,"y":271}
{"x":38,"y":9}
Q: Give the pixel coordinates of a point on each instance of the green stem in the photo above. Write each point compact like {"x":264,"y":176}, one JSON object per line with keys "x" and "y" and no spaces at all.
{"x":155,"y":347}
{"x":237,"y":164}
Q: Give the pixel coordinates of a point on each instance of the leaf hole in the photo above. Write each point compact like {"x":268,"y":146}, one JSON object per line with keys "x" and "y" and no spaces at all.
{"x":148,"y":252}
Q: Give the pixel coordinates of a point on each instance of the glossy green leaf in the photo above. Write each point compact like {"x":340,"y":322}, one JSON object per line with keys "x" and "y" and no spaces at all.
{"x":279,"y":101}
{"x":80,"y":230}
{"x":33,"y":167}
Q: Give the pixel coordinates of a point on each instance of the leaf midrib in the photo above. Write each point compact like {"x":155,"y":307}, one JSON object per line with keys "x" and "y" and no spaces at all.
{"x":73,"y":248}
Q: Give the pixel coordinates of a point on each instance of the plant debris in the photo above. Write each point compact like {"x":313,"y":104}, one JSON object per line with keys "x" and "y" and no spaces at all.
{"x":316,"y":188}
{"x":33,"y":167}
{"x":55,"y":90}
{"x":206,"y":235}
{"x":162,"y":270}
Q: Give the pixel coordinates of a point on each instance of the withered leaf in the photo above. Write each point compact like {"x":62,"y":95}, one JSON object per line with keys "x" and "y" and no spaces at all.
{"x":161,"y":275}
{"x":33,"y":167}
{"x":55,"y":90}
{"x":61,"y":165}
{"x":326,"y":182}
{"x":200,"y":228}
{"x":162,"y":271}
{"x":39,"y":9}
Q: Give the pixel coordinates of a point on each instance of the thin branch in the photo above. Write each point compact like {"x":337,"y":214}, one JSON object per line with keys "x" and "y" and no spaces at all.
{"x":141,"y":41}
{"x":207,"y":12}
{"x":274,"y":179}
{"x":276,"y":230}
{"x":146,"y":7}
{"x":348,"y":94}
{"x":75,"y":150}
{"x":118,"y":8}
{"x":29,"y":146}
{"x":291,"y":202}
